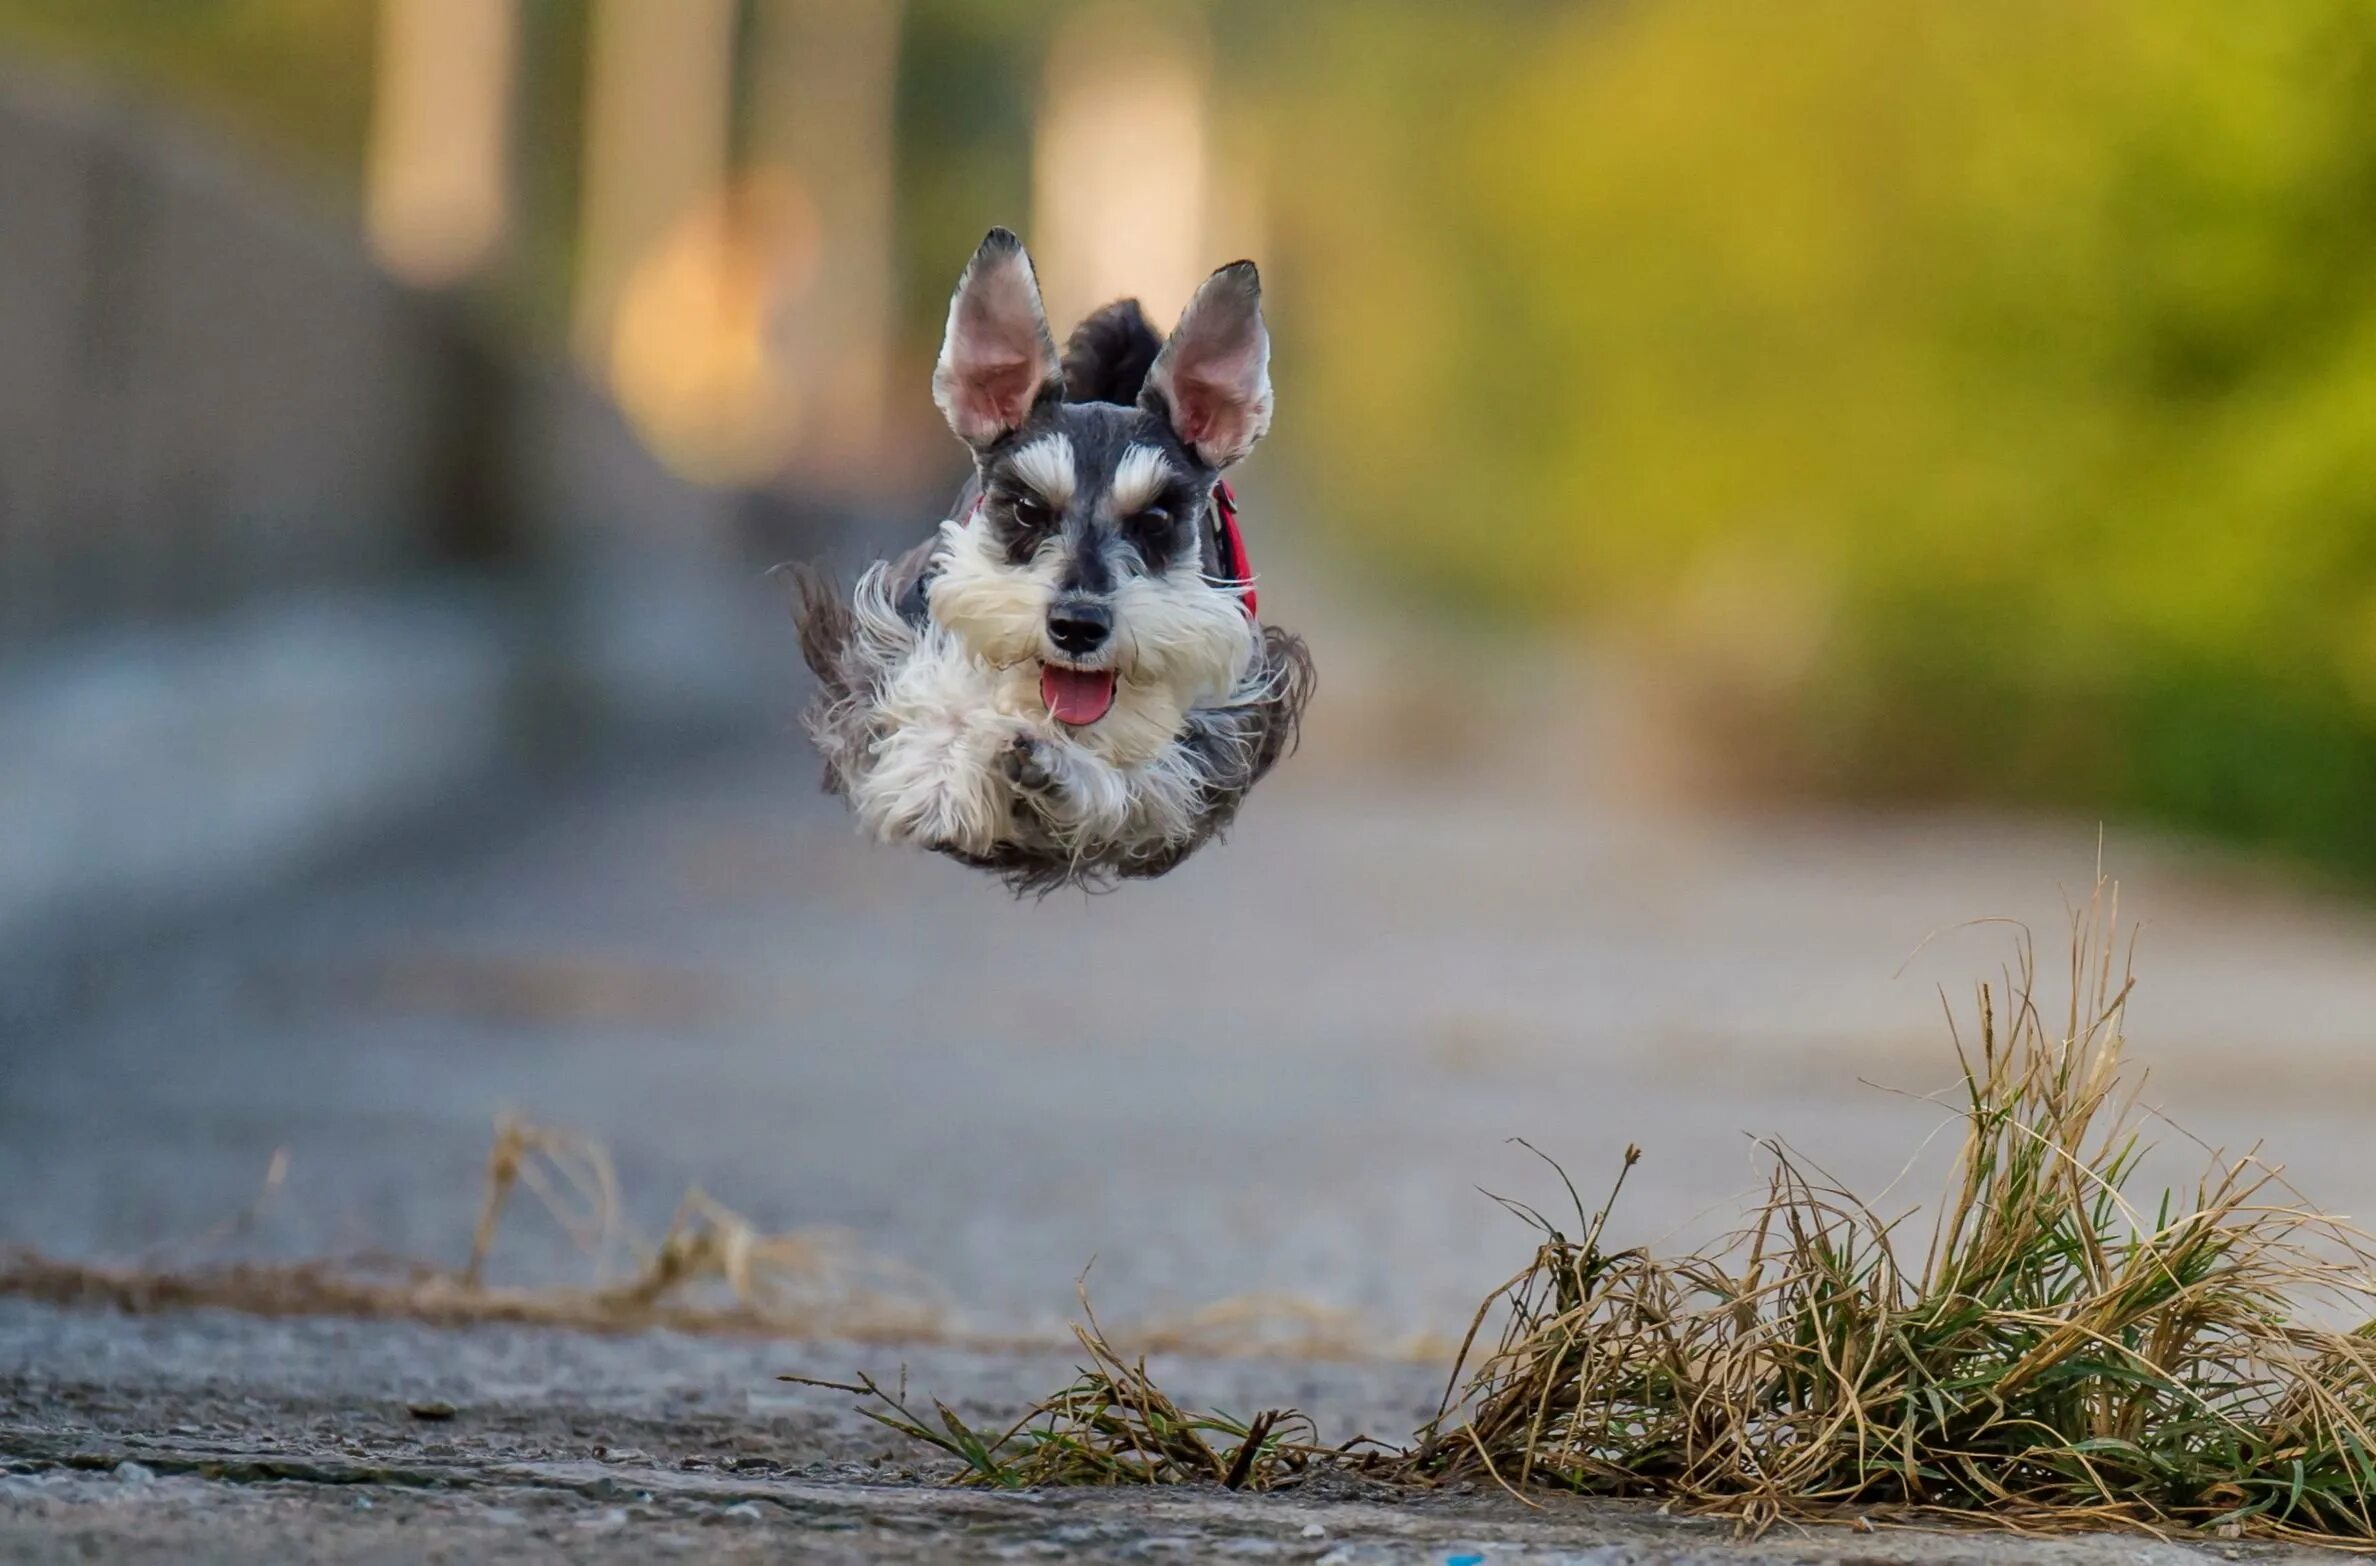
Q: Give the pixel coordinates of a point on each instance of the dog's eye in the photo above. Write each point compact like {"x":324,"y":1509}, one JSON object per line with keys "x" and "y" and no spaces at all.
{"x":1151,"y":531}
{"x":1032,"y":512}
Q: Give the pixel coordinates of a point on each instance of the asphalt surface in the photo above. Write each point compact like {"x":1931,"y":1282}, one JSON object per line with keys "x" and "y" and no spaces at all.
{"x":1281,"y":1073}
{"x":211,"y":1437}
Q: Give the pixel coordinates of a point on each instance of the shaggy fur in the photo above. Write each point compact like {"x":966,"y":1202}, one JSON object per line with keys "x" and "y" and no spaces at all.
{"x":1086,"y":542}
{"x":920,"y":738}
{"x":1108,"y":355}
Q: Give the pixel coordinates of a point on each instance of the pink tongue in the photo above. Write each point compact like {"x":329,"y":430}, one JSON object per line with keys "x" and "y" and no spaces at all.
{"x":1076,"y":696}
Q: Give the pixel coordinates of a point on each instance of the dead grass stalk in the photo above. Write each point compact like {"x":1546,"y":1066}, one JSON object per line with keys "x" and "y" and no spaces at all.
{"x":2052,"y":1353}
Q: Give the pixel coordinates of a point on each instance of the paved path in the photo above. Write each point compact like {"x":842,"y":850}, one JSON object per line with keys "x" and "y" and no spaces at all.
{"x":209,"y":1437}
{"x":1283,"y":1071}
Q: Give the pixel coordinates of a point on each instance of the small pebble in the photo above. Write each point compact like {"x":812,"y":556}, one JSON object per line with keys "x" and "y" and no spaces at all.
{"x":433,"y":1408}
{"x":134,"y":1473}
{"x":748,"y":1511}
{"x":1314,"y":1531}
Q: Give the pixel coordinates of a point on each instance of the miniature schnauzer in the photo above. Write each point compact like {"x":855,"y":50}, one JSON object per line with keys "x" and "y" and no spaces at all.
{"x":1066,"y":684}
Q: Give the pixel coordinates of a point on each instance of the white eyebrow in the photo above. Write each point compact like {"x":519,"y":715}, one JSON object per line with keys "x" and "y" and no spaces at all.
{"x":1047,"y":466}
{"x":1141,"y":477}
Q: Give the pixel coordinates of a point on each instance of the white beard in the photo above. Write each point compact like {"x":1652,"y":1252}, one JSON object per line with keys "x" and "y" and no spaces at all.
{"x":920,"y":724}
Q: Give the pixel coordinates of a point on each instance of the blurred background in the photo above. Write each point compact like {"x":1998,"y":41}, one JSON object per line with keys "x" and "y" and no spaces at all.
{"x":1824,"y":460}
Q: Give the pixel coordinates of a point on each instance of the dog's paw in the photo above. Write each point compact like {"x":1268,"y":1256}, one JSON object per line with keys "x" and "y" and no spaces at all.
{"x":1030,"y":764}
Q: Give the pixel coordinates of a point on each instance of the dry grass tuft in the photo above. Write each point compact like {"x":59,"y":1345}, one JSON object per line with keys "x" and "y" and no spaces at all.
{"x":2050,"y":1355}
{"x":711,"y":1271}
{"x":710,"y":1257}
{"x":1113,"y":1425}
{"x":2053,"y":1354}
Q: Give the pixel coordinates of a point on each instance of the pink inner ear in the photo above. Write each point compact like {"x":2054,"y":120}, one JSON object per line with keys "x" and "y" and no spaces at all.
{"x":1203,"y":408}
{"x":1196,"y":411}
{"x":996,"y":356}
{"x":1003,"y":388}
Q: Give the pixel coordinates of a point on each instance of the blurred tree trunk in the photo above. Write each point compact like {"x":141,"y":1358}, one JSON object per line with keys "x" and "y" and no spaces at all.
{"x":438,"y":183}
{"x":658,"y":94}
{"x":1120,"y":161}
{"x":825,"y":80}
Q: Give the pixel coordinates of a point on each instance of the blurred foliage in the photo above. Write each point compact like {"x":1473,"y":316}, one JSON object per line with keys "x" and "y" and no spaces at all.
{"x":1966,"y":401}
{"x":291,"y":81}
{"x":1987,"y":392}
{"x":291,"y":75}
{"x":969,"y":78}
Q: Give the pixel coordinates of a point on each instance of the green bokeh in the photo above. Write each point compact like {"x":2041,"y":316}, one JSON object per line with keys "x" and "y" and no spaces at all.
{"x":1987,"y":392}
{"x":1980,"y":400}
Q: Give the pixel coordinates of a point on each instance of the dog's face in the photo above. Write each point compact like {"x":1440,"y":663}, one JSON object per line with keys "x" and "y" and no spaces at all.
{"x":1086,"y":556}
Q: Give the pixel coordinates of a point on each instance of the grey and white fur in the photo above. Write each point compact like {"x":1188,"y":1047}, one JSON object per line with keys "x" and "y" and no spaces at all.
{"x":1081,"y":565}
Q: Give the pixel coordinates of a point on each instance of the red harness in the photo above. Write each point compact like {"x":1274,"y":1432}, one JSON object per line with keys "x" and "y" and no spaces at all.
{"x":1237,"y":569}
{"x":1233,"y":543}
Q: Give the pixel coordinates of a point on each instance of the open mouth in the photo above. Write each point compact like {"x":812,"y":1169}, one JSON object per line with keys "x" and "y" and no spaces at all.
{"x":1076,"y":696}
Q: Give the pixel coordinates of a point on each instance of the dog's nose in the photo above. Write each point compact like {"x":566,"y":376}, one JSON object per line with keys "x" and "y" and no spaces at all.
{"x":1079,"y":628}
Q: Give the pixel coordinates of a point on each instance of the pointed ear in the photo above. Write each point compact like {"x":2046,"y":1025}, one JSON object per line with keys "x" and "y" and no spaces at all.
{"x":997,"y":359}
{"x":1212,"y":379}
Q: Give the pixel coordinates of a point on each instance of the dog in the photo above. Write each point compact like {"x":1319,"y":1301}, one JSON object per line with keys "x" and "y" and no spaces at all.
{"x":1066,"y":684}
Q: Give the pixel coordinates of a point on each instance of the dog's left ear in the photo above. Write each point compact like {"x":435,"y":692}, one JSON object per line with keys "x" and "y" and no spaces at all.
{"x":1212,"y":380}
{"x":997,"y":359}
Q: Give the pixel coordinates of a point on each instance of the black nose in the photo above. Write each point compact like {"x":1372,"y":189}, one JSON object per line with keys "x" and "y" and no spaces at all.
{"x":1080,"y":628}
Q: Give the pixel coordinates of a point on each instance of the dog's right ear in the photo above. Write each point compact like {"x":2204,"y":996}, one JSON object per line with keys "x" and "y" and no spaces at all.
{"x":997,"y":359}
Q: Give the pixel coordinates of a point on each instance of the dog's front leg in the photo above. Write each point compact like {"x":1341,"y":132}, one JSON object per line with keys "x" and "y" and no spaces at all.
{"x":938,"y":783}
{"x":1069,"y":795}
